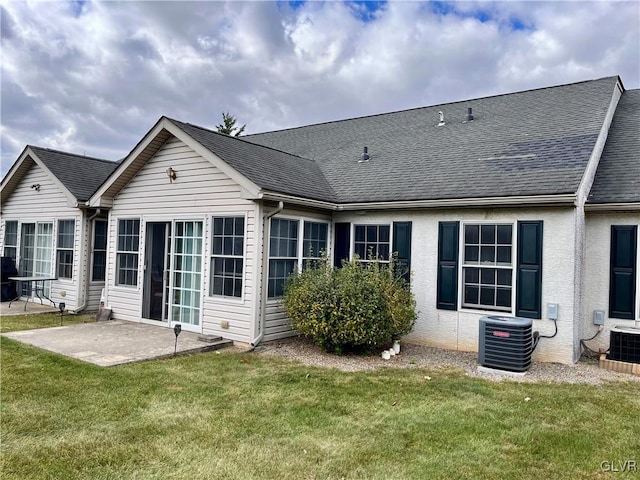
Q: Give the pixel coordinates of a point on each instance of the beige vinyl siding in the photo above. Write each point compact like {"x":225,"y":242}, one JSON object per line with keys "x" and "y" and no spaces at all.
{"x":277,"y":325}
{"x":48,"y":205}
{"x":199,"y":192}
{"x":94,"y":293}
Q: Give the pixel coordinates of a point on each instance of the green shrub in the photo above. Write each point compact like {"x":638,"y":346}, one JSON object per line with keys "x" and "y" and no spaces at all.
{"x":356,"y":307}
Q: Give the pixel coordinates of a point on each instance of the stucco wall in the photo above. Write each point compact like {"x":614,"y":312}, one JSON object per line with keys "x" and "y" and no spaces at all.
{"x":597,"y":264}
{"x":459,"y":329}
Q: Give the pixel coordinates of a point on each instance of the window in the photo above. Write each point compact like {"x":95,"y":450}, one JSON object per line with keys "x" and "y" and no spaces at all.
{"x":314,"y":241}
{"x":487,"y":266}
{"x":44,"y":241}
{"x":372,"y":242}
{"x":64,"y":263}
{"x":227,"y":256}
{"x":283,"y":253}
{"x":11,"y":239}
{"x":127,"y":252}
{"x":99,"y":250}
{"x":287,"y":255}
{"x":27,"y":254}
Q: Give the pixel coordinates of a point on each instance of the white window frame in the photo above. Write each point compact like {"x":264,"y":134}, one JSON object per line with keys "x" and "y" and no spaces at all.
{"x":494,"y":265}
{"x":372,"y":224}
{"x":94,"y":249}
{"x":134,"y":253}
{"x":214,"y":256}
{"x":14,"y":246}
{"x":316,"y":255}
{"x":300,"y":254}
{"x":60,"y":249}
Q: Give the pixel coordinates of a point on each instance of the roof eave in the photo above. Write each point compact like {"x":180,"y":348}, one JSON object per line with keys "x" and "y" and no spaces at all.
{"x":9,"y":183}
{"x":129,"y":166}
{"x":613,"y":207}
{"x":301,"y":201}
{"x":568,"y":199}
{"x":514,"y":201}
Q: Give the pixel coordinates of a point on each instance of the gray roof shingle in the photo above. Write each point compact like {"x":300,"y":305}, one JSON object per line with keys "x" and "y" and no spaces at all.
{"x":527,"y":143}
{"x":81,"y":175}
{"x":267,"y":167}
{"x":618,"y":177}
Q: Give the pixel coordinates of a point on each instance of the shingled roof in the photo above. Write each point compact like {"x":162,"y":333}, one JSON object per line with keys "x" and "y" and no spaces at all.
{"x":536,"y":142}
{"x":267,"y":167}
{"x":79,"y":174}
{"x":618,"y":177}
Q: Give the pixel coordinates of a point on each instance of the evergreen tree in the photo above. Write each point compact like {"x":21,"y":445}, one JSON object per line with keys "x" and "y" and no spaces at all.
{"x":228,"y":125}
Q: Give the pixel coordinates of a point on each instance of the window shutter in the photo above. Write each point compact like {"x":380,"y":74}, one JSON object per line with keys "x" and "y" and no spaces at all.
{"x":402,"y":245}
{"x":622,"y":274}
{"x":529,"y":270}
{"x":448,"y":237}
{"x":342,"y":242}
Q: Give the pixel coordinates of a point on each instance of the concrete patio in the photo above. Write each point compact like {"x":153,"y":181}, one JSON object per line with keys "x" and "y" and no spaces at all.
{"x":115,"y":342}
{"x":20,"y":307}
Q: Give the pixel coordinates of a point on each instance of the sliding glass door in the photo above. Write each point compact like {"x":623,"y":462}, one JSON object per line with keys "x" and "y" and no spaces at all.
{"x":36,"y":253}
{"x":173,"y":273}
{"x":186,"y":285}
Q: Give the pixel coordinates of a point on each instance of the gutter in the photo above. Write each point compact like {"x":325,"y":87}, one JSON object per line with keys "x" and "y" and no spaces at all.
{"x":612,"y":207}
{"x":263,"y":305}
{"x":565,"y":199}
{"x":560,"y":199}
{"x":82,"y":307}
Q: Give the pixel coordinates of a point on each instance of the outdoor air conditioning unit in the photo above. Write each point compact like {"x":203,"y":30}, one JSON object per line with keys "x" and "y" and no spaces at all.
{"x":505,"y":343}
{"x":624,"y":344}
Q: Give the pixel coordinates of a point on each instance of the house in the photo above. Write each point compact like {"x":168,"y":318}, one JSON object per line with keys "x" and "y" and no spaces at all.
{"x":47,"y":228}
{"x":499,"y":205}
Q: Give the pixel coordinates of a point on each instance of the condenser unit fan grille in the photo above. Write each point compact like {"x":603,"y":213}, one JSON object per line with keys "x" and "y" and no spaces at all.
{"x":505,"y":343}
{"x":624,"y":344}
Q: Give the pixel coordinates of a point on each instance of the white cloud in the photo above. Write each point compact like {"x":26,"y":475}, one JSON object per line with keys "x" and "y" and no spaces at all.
{"x":96,"y":81}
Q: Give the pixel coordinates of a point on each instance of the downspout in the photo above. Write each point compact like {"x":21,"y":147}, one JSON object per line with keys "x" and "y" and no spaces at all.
{"x":82,"y":307}
{"x":263,"y":297}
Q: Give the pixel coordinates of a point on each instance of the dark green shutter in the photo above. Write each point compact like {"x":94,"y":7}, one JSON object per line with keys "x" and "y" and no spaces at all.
{"x":402,"y":245}
{"x":341,"y":244}
{"x":448,"y":234}
{"x":529,"y":270}
{"x":622,"y":274}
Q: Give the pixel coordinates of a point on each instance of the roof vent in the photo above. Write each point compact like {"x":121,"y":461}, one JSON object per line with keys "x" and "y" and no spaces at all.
{"x":469,"y":115}
{"x":364,"y":156}
{"x":441,"y":118}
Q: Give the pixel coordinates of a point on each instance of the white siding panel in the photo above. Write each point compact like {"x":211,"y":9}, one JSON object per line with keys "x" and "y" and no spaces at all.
{"x":200,"y":191}
{"x":48,"y":204}
{"x":94,"y":294}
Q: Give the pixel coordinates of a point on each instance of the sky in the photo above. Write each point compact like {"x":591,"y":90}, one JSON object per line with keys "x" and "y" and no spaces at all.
{"x":93,"y":77}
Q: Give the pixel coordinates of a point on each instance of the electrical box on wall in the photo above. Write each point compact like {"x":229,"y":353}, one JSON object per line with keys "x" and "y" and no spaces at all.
{"x":552,"y":311}
{"x":598,"y":317}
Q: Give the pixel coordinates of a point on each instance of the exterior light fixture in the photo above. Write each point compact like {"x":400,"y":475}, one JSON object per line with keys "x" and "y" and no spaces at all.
{"x":36,"y":187}
{"x":171,"y":173}
{"x":61,"y":306}
{"x":176,"y":330}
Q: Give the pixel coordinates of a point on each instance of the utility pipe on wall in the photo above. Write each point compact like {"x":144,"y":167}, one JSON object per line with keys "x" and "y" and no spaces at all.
{"x":265,"y":265}
{"x":87,"y":266}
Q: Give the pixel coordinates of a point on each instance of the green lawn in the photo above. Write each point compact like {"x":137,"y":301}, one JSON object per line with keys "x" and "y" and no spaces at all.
{"x":230,"y":415}
{"x":29,"y":321}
